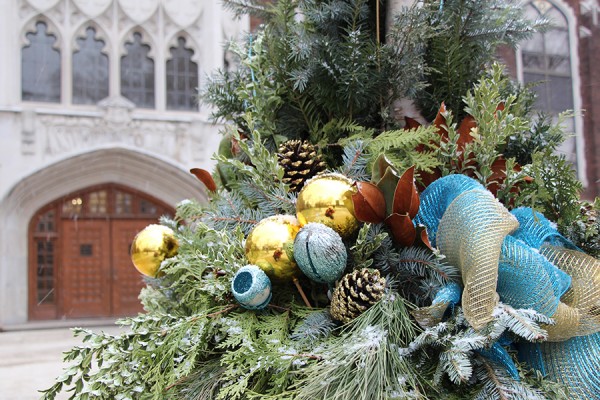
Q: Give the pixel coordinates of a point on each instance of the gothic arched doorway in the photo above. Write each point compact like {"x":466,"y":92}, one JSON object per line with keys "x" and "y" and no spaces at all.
{"x":79,"y":264}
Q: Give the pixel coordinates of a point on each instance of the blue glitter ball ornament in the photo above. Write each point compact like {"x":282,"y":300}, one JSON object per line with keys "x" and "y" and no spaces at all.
{"x":251,"y":287}
{"x":320,"y":253}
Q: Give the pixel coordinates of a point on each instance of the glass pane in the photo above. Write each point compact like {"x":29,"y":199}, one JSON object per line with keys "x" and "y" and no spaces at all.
{"x":45,"y":271}
{"x":40,"y":67}
{"x":556,"y":17}
{"x":123,"y":203}
{"x":547,"y":61}
{"x":182,"y":78}
{"x":137,"y":73}
{"x":556,"y":41}
{"x":98,"y":202}
{"x":86,"y":250}
{"x":535,"y":44}
{"x":146,"y":207}
{"x":90,"y":70}
{"x":46,"y":222}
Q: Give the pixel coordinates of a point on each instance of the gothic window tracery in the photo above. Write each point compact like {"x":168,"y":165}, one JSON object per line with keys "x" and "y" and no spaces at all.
{"x":546,"y":61}
{"x":90,"y":70}
{"x":137,"y":73}
{"x":182,"y":78}
{"x":40,"y":66}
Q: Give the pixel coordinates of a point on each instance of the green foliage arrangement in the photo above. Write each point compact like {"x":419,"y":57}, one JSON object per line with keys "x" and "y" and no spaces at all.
{"x":317,"y":71}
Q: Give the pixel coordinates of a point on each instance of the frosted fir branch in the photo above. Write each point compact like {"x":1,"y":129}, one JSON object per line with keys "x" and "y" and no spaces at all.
{"x":272,"y":202}
{"x":522,"y":322}
{"x":316,"y":326}
{"x":424,"y":273}
{"x":356,"y":160}
{"x":497,"y":384}
{"x":457,"y":365}
{"x":385,"y":257}
{"x":229,"y":211}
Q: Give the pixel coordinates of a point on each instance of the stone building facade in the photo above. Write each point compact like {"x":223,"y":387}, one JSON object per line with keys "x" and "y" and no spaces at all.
{"x":99,"y":126}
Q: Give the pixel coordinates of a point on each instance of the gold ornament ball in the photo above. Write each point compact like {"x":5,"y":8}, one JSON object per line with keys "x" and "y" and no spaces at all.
{"x":269,"y":243}
{"x":327,"y":199}
{"x":151,"y":246}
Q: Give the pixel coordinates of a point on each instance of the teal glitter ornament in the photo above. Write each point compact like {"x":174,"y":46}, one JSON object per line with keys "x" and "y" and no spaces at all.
{"x":251,"y":287}
{"x":320,"y":253}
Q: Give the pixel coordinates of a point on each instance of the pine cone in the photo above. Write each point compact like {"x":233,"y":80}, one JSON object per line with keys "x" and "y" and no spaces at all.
{"x":300,"y":162}
{"x":355,"y":293}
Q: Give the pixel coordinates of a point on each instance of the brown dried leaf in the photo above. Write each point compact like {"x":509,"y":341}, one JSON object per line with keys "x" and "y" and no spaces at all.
{"x":205,"y":177}
{"x":369,"y":203}
{"x":406,"y":197}
{"x":402,"y":228}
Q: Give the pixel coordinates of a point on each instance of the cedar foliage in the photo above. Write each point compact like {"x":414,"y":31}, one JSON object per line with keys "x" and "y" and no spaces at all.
{"x":316,"y":71}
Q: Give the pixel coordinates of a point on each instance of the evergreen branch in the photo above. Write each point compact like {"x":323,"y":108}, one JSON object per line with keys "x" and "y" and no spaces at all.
{"x":498,"y":384}
{"x":366,"y":244}
{"x":424,"y":273}
{"x":522,"y":322}
{"x":355,"y":160}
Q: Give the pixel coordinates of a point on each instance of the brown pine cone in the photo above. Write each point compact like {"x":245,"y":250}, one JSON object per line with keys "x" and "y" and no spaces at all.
{"x":355,"y":293}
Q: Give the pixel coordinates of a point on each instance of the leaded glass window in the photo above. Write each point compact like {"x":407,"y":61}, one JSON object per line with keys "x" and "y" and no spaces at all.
{"x":90,"y":70}
{"x":546,"y":61}
{"x":182,"y":78}
{"x":137,"y":73}
{"x":40,"y":67}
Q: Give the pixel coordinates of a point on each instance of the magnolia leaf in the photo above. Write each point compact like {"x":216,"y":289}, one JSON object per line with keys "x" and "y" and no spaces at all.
{"x":422,"y":238}
{"x":411,"y":123}
{"x":387,"y":184}
{"x":205,"y":177}
{"x":402,"y":228}
{"x":440,"y":122}
{"x":464,"y":131}
{"x":406,"y":198}
{"x":369,"y":203}
{"x":380,"y":167}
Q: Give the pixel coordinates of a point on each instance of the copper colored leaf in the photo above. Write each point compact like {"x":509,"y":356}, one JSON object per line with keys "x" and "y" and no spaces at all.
{"x":464,"y":131}
{"x":440,"y":122}
{"x":422,"y":237}
{"x":411,"y":123}
{"x":369,"y":203}
{"x":205,"y":177}
{"x":402,"y":228}
{"x":406,"y":198}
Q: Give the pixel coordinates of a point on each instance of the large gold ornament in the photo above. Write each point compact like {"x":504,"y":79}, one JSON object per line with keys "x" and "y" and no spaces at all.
{"x":327,"y":199}
{"x":269,"y":245}
{"x":151,"y":246}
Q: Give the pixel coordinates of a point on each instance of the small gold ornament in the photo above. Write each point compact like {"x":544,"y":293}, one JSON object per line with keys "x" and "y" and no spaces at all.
{"x":151,"y":246}
{"x":327,"y":199}
{"x":268,"y":245}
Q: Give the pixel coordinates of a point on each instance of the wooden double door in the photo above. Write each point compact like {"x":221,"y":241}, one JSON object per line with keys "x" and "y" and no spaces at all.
{"x":79,"y":261}
{"x":98,"y":278}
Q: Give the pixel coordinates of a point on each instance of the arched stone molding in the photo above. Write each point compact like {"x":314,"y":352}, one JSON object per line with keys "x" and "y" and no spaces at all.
{"x":147,"y":39}
{"x":52,"y":28}
{"x":41,"y":5}
{"x":140,"y":171}
{"x":190,"y":44}
{"x":570,"y":15}
{"x":101,"y":34}
{"x":92,"y":8}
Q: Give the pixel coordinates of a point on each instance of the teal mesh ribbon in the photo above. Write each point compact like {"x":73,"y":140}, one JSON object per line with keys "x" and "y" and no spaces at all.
{"x":526,"y":279}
